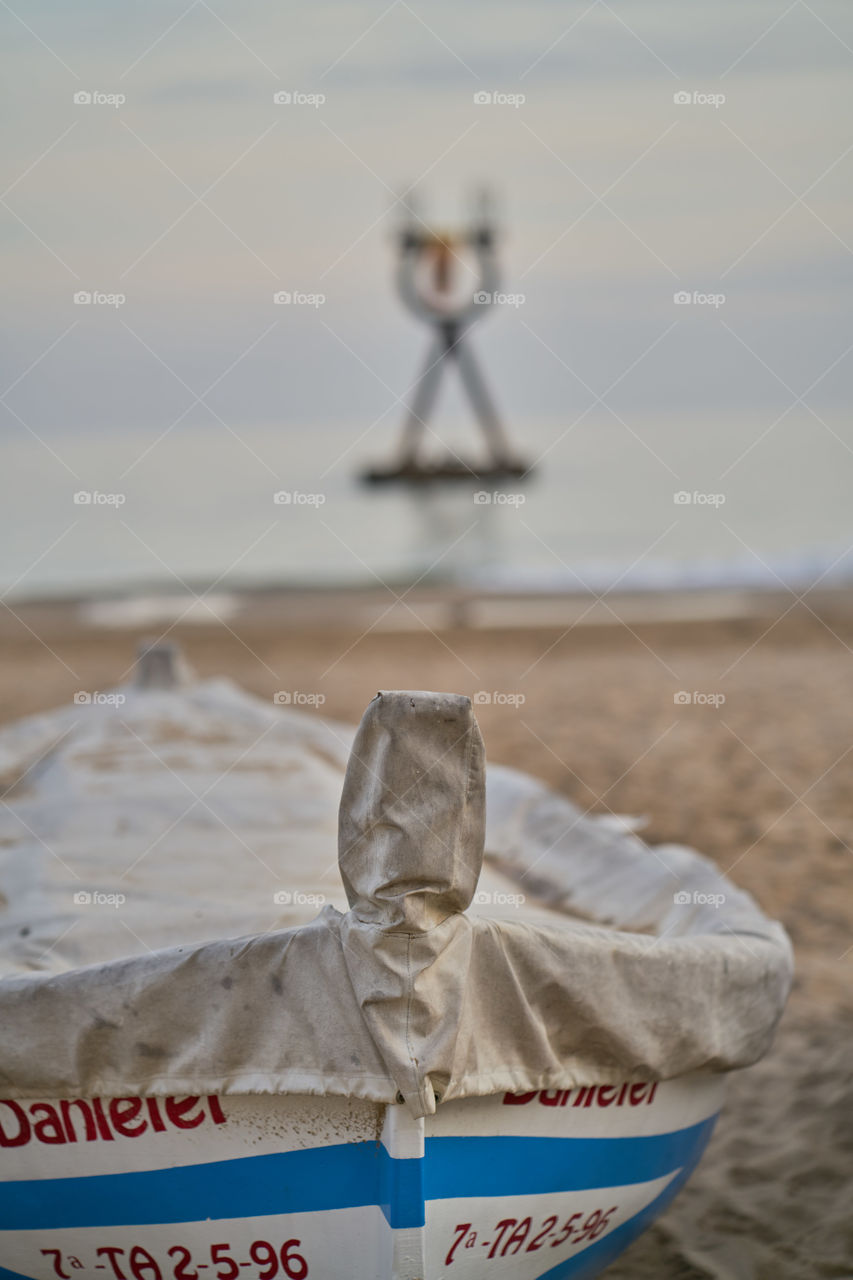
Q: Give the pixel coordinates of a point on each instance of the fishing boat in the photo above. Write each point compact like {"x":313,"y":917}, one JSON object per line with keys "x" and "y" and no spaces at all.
{"x":498,"y":1048}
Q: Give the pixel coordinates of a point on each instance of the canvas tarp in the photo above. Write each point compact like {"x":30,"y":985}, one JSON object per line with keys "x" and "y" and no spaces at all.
{"x":625,"y":961}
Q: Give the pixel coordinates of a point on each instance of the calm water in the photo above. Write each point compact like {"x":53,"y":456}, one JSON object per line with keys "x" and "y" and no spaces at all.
{"x":598,"y":510}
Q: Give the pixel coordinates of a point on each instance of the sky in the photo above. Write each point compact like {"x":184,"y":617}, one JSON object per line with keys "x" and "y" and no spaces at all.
{"x":638,"y":151}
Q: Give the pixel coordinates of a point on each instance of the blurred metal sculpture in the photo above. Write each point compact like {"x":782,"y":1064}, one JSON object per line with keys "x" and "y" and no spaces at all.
{"x":429,"y":261}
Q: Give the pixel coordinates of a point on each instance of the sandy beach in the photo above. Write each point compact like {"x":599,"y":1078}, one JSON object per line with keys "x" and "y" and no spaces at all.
{"x":724,"y":723}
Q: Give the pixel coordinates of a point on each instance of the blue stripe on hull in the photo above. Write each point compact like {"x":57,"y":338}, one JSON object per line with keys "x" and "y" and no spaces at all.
{"x":460,"y":1167}
{"x":346,"y":1176}
{"x":355,"y":1175}
{"x":597,"y":1256}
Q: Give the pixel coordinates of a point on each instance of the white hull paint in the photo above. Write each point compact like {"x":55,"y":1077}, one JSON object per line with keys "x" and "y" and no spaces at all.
{"x":551,"y":1184}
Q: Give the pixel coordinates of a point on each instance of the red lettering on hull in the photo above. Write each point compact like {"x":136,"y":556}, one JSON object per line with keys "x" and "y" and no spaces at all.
{"x":588,"y":1095}
{"x":96,"y":1119}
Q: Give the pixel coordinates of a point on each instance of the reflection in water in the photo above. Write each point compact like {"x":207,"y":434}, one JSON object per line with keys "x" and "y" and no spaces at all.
{"x":454,"y":537}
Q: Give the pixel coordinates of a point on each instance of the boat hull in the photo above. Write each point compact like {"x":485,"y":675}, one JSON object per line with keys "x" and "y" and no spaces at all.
{"x":554,"y":1183}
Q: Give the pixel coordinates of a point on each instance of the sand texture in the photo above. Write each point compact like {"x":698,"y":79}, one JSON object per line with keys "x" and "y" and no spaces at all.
{"x":760,"y":782}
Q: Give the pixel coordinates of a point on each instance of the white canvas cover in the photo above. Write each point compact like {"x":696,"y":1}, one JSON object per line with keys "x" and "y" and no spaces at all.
{"x":199,"y":805}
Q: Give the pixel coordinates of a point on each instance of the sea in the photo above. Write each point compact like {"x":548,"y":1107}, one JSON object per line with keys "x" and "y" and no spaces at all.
{"x":665,"y":503}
